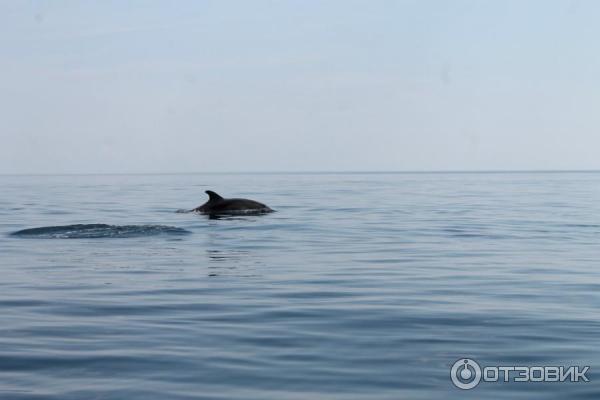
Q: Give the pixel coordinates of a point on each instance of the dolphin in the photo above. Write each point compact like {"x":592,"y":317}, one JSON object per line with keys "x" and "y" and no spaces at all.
{"x":218,"y":205}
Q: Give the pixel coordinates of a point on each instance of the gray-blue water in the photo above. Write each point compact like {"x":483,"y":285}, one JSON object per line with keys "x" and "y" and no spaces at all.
{"x":360,"y":286}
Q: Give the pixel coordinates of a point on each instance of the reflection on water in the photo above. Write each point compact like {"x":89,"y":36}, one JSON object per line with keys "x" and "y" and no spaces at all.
{"x":240,"y":263}
{"x":240,"y":216}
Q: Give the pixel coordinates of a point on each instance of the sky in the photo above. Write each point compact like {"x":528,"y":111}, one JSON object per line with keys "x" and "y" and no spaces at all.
{"x":247,"y":86}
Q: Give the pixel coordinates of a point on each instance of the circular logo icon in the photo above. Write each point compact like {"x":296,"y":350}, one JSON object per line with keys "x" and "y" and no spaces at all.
{"x":465,"y":373}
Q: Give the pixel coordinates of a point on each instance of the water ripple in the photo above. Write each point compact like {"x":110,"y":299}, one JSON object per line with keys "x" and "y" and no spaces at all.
{"x":90,"y":231}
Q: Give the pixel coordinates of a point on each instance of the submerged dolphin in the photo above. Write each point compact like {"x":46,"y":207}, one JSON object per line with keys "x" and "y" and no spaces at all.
{"x":218,"y":205}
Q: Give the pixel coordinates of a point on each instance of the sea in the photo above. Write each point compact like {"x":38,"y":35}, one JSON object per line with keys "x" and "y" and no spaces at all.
{"x":360,"y":286}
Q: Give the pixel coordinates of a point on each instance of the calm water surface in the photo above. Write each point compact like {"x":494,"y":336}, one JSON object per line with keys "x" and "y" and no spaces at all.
{"x":360,"y":286}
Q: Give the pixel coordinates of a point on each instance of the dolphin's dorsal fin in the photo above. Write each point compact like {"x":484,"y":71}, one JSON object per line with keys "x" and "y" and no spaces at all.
{"x":212,"y":196}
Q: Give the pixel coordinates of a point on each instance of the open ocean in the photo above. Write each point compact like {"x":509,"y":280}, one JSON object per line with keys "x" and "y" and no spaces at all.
{"x":360,"y":286}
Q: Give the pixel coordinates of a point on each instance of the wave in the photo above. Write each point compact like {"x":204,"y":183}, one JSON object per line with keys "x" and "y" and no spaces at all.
{"x":89,"y":231}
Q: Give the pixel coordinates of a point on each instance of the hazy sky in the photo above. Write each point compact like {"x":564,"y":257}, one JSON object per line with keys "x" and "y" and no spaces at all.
{"x":175,"y":86}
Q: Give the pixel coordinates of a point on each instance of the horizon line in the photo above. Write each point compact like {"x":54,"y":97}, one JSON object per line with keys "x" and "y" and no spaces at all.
{"x":314,"y":172}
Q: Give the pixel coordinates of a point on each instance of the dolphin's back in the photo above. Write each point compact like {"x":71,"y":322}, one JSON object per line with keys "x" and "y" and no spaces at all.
{"x":238,"y":205}
{"x":217,"y":204}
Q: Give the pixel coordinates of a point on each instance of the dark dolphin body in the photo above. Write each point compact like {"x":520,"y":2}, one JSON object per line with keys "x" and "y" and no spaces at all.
{"x":217,"y":205}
